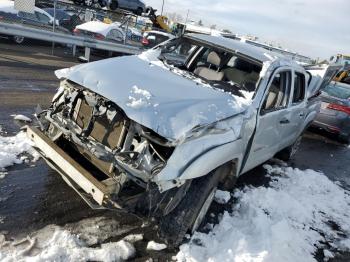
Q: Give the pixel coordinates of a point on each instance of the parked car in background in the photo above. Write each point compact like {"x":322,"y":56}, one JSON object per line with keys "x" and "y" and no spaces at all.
{"x":66,"y":19}
{"x":39,"y":18}
{"x":344,"y":75}
{"x":136,"y":6}
{"x":334,"y":115}
{"x":111,"y":4}
{"x":152,"y":38}
{"x":102,"y":31}
{"x":155,"y":137}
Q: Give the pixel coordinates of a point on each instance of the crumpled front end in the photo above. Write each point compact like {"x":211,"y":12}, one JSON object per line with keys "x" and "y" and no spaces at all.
{"x":115,"y":162}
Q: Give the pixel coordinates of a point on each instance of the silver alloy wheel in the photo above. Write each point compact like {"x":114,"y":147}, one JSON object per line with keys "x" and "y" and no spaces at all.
{"x":88,"y":2}
{"x":203,"y":211}
{"x":18,"y":39}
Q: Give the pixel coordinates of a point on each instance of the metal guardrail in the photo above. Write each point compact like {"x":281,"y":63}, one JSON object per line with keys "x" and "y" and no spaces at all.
{"x":49,"y":36}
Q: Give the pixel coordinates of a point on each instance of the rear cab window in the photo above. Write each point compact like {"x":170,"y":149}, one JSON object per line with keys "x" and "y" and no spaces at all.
{"x":299,"y":88}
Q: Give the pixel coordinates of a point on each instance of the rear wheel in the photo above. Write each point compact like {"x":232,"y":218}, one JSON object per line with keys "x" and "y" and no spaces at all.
{"x":289,"y":152}
{"x":113,"y":5}
{"x":190,"y":213}
{"x":345,"y":139}
{"x":18,"y":39}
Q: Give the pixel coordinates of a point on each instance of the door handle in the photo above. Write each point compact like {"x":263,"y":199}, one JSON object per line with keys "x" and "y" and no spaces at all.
{"x":284,"y":121}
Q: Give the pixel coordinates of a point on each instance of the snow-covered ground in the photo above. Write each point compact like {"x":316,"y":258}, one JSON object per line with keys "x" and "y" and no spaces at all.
{"x":15,"y":150}
{"x":299,"y":213}
{"x":71,"y":243}
{"x":287,"y":221}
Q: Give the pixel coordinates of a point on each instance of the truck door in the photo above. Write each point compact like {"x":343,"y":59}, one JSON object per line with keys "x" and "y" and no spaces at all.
{"x":298,"y":107}
{"x":274,"y":119}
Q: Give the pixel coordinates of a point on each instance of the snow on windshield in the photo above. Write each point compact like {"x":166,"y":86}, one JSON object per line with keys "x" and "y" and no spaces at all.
{"x":286,"y":221}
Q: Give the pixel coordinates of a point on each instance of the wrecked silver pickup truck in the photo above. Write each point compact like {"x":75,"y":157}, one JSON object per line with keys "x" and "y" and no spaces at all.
{"x":158,"y":133}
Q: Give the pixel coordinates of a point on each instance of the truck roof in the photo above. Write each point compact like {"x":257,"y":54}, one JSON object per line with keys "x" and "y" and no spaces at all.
{"x":258,"y":53}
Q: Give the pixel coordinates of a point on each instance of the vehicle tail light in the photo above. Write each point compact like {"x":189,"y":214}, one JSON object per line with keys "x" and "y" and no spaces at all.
{"x":145,"y":41}
{"x":340,"y":108}
{"x":99,"y":36}
{"x":76,"y":31}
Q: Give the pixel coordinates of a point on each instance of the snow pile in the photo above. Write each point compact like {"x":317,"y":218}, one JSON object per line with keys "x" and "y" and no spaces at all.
{"x":139,"y":98}
{"x":13,"y":148}
{"x":288,"y":221}
{"x":222,"y":197}
{"x":155,"y":246}
{"x":71,"y":243}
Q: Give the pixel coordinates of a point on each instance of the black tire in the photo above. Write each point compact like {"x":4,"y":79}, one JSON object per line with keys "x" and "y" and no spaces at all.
{"x":289,"y":152}
{"x":114,"y":5}
{"x":174,"y":226}
{"x":139,"y":11}
{"x":344,"y":139}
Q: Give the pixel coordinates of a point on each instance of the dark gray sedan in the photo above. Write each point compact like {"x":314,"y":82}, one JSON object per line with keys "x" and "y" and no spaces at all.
{"x":334,"y":115}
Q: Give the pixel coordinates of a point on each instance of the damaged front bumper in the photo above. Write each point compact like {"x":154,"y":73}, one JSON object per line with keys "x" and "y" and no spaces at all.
{"x":86,"y":185}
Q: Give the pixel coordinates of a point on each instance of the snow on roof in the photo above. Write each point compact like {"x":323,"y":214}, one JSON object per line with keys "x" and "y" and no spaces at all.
{"x":97,"y":27}
{"x":7,"y":7}
{"x":254,"y":52}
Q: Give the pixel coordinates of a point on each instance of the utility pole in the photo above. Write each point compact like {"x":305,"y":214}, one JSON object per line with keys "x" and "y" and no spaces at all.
{"x":54,"y":23}
{"x":162,"y":7}
{"x":188,"y":12}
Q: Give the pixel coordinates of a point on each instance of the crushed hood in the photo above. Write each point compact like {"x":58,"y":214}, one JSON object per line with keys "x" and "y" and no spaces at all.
{"x":155,"y":97}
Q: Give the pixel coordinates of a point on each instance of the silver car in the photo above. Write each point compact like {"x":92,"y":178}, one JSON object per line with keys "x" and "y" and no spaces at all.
{"x":157,"y":134}
{"x":136,"y":6}
{"x":334,"y":115}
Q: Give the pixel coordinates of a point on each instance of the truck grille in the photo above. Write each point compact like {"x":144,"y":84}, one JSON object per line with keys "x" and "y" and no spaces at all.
{"x":110,"y":134}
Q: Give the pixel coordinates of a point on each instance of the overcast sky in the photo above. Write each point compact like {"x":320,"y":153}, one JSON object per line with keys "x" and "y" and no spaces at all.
{"x":317,"y":28}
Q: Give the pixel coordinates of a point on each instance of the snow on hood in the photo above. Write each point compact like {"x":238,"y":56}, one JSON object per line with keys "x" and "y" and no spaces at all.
{"x":155,"y":97}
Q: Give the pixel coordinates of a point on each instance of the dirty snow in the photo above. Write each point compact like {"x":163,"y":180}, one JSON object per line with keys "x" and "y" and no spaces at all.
{"x":13,"y":149}
{"x":21,"y":118}
{"x":155,"y":246}
{"x":222,"y":197}
{"x":287,"y":221}
{"x":71,"y":243}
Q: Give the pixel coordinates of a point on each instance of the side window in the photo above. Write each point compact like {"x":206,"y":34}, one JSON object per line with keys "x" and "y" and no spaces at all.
{"x":115,"y":35}
{"x":42,"y":18}
{"x":299,"y":88}
{"x":278,"y":93}
{"x":28,"y":16}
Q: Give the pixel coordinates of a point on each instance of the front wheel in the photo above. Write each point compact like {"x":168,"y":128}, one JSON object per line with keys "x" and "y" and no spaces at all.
{"x":114,"y":5}
{"x":190,"y":213}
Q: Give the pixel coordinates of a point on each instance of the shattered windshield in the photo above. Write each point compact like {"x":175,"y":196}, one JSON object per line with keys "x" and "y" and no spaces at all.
{"x":219,"y":68}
